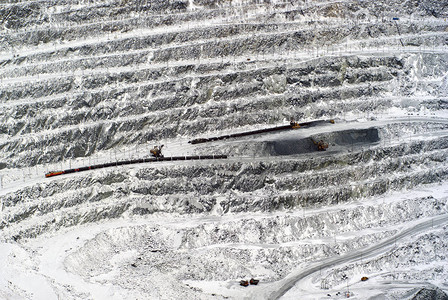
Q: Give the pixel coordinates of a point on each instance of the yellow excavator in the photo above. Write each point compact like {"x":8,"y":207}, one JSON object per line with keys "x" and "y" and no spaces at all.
{"x":156,"y":151}
{"x":321,"y":145}
{"x":294,"y":125}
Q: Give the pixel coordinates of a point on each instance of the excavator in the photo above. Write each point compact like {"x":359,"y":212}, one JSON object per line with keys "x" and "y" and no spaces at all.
{"x":294,"y":125}
{"x":156,"y":151}
{"x":321,"y":145}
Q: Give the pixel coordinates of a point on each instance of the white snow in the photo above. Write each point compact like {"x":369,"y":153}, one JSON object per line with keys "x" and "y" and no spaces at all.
{"x":155,"y":231}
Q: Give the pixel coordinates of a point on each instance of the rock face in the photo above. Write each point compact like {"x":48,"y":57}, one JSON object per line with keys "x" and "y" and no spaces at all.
{"x":86,"y":82}
{"x":430,"y":294}
{"x":79,"y":80}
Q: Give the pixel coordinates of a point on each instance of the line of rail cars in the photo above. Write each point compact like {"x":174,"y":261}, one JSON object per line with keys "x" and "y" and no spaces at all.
{"x":292,"y":125}
{"x":135,"y":161}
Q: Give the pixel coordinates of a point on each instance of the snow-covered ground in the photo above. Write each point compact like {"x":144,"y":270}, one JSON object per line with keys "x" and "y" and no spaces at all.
{"x":91,"y":82}
{"x":145,"y":254}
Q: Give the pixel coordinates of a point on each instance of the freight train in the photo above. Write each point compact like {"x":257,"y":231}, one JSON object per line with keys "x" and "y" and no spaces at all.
{"x":135,"y":161}
{"x":292,"y":125}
